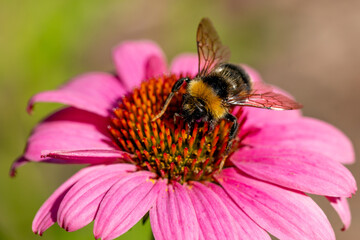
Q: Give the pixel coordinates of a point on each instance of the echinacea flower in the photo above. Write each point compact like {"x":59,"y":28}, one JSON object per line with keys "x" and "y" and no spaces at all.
{"x":192,"y":187}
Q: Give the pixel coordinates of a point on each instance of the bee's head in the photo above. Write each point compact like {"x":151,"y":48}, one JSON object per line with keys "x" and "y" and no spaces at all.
{"x":193,"y":108}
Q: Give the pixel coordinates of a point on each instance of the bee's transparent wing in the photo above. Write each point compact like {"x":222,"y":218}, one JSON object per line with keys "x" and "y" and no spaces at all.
{"x":263,"y":96}
{"x":211,"y":52}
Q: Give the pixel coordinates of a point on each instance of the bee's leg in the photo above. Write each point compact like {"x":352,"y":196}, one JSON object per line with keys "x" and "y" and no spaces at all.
{"x":191,"y":125}
{"x":174,"y":89}
{"x":234,"y":127}
{"x":233,"y":130}
{"x":176,"y":115}
{"x":212,"y":124}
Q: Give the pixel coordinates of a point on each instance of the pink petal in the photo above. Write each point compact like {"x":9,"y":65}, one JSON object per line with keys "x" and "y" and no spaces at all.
{"x":297,"y":169}
{"x":173,"y":216}
{"x":81,"y":202}
{"x":284,"y":213}
{"x":306,"y":133}
{"x":201,"y":236}
{"x":154,"y":67}
{"x":125,"y":203}
{"x":212,"y":214}
{"x":94,"y":92}
{"x":247,"y":228}
{"x":341,"y":206}
{"x":69,"y":129}
{"x":86,"y":156}
{"x":47,"y":214}
{"x":136,"y":60}
{"x":16,"y":164}
{"x":185,"y":64}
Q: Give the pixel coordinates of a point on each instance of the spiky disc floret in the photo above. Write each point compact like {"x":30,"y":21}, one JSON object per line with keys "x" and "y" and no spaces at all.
{"x":166,"y":146}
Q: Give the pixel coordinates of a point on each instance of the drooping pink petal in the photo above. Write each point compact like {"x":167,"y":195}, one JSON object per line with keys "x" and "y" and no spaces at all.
{"x":173,"y":216}
{"x":94,"y":92}
{"x":16,"y":164}
{"x":306,"y":133}
{"x":125,"y":203}
{"x":81,"y":202}
{"x":47,"y":214}
{"x":135,"y":60}
{"x":213,"y":216}
{"x":341,"y":206}
{"x":246,"y":227}
{"x":69,"y":129}
{"x":186,"y":64}
{"x":284,"y":213}
{"x":201,"y":236}
{"x":94,"y":156}
{"x":298,"y":169}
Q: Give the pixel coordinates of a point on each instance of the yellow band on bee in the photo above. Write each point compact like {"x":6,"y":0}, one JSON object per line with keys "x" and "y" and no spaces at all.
{"x":199,"y":89}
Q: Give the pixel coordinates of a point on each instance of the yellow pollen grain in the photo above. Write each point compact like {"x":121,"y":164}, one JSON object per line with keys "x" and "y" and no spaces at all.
{"x":151,"y":180}
{"x":199,"y":89}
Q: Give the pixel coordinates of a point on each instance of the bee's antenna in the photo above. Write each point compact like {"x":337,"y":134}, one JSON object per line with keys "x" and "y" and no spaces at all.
{"x":167,"y":102}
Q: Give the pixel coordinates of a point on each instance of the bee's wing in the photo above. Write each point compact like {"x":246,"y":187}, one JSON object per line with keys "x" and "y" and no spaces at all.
{"x":263,"y":96}
{"x":211,"y":52}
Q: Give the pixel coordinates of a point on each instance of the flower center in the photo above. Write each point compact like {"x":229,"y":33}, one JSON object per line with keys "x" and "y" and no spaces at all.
{"x":167,"y":146}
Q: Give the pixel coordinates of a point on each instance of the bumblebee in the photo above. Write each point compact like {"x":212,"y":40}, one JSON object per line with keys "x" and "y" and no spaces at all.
{"x":219,"y":85}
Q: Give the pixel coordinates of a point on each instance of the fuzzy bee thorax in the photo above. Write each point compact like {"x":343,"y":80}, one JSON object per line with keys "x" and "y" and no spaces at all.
{"x":214,"y":104}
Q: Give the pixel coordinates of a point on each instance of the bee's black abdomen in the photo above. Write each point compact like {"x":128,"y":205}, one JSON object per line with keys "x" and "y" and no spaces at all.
{"x":218,"y":84}
{"x":235,"y":71}
{"x":235,"y":76}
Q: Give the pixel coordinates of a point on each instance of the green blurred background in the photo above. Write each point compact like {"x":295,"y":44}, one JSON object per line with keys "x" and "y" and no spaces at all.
{"x":308,"y":48}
